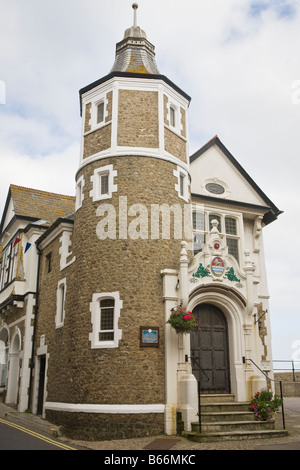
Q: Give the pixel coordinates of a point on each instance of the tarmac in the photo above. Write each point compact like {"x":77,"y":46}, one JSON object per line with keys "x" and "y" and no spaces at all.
{"x":170,"y":443}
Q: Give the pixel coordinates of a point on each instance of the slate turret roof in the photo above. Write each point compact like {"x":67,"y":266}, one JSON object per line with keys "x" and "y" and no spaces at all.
{"x":135,"y":54}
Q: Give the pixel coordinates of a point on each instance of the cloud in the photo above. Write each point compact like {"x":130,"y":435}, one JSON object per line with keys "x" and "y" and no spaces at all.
{"x":54,"y":172}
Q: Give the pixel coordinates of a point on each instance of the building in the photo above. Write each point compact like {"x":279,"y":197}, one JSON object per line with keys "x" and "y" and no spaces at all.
{"x":27,"y":214}
{"x":87,"y":288}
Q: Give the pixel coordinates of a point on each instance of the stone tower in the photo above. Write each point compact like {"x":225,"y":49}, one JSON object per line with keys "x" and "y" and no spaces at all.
{"x":132,"y":201}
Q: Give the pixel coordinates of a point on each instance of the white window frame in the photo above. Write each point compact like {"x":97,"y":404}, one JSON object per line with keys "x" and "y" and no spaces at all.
{"x":95,"y":124}
{"x":9,"y":262}
{"x":96,"y":320}
{"x":79,"y":192}
{"x":233,"y":236}
{"x":173,"y":116}
{"x":60,"y":303}
{"x":183,"y":183}
{"x":208,"y":216}
{"x":177,"y":125}
{"x":95,"y":193}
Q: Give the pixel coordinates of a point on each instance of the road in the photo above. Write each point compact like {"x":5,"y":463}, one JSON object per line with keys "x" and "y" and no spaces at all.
{"x":16,"y":437}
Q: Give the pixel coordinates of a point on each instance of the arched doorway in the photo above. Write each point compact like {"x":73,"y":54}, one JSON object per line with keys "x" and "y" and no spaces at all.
{"x":209,"y":347}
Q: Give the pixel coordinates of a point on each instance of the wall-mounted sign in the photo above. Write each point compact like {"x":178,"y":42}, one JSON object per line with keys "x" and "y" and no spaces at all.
{"x":149,"y":336}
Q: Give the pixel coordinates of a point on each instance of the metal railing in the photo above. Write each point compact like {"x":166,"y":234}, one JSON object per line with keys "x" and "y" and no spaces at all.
{"x":293,"y":369}
{"x":194,"y":361}
{"x":280,"y":385}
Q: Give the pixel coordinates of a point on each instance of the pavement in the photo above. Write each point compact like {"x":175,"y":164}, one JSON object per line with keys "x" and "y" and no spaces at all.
{"x":171,"y":443}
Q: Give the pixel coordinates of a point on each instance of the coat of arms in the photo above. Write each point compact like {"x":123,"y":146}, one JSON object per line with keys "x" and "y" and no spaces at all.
{"x":217,"y":266}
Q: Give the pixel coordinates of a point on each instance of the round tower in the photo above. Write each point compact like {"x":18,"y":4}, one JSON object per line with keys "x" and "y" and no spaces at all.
{"x":132,"y":202}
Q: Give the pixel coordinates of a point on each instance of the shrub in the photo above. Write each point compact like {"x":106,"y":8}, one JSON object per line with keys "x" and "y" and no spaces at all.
{"x":264,"y":404}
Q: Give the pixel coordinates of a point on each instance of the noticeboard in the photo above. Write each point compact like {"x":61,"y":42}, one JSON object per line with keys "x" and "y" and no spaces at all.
{"x":149,"y":336}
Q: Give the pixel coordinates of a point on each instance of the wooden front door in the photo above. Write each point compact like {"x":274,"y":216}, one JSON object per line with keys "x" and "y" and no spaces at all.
{"x":209,"y":348}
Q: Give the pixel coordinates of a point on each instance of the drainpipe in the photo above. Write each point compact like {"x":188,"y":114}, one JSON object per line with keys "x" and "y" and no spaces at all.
{"x":39,"y":252}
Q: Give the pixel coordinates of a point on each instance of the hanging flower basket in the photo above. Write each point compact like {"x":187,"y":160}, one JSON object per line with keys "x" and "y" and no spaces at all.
{"x":183,"y":321}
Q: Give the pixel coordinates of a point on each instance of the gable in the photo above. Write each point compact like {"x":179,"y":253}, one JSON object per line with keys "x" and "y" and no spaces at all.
{"x":8,"y":213}
{"x":216,"y":175}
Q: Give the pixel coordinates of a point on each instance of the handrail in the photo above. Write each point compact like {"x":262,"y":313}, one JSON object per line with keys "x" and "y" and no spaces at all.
{"x":195,"y":361}
{"x":292,"y":361}
{"x":273,"y":380}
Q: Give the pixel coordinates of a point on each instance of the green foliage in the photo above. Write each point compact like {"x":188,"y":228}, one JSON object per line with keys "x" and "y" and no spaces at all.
{"x":183,"y":321}
{"x":231,"y":275}
{"x":264,"y":404}
{"x":201,"y":271}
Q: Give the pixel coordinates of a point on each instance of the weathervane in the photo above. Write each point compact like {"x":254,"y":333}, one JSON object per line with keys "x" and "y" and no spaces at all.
{"x":135,"y":7}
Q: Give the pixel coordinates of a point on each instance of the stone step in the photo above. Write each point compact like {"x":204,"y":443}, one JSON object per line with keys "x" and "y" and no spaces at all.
{"x":216,"y":398}
{"x":224,"y":419}
{"x":233,"y":426}
{"x":238,"y":435}
{"x":227,"y":416}
{"x":219,"y":407}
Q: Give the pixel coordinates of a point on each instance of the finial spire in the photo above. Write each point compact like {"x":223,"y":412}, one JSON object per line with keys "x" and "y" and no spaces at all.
{"x":135,"y":7}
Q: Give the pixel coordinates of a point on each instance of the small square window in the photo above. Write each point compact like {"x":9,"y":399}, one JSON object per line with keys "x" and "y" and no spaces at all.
{"x":172,"y":116}
{"x":79,"y":192}
{"x":104,"y":183}
{"x":230,"y":226}
{"x":100,"y":112}
{"x":233,"y":248}
{"x":198,"y":220}
{"x":49,"y":262}
{"x":181,"y":184}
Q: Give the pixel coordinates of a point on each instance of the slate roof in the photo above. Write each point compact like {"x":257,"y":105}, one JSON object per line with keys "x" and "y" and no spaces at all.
{"x":135,"y":54}
{"x":34,"y":204}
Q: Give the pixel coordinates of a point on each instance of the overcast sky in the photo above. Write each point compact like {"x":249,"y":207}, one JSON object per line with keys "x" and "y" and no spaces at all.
{"x":239,"y":61}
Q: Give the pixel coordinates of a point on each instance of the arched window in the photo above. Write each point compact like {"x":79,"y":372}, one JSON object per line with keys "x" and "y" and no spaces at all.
{"x":105,"y":309}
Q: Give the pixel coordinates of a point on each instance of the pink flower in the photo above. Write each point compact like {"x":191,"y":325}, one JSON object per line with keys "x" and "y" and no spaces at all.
{"x":187,"y":317}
